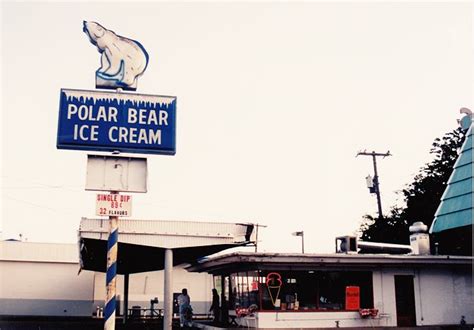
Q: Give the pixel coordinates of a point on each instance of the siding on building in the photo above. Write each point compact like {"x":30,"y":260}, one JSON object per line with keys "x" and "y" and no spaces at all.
{"x":45,"y":288}
{"x":42,"y":279}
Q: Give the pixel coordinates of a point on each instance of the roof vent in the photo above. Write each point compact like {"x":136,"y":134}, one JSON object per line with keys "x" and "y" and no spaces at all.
{"x":419,"y":239}
{"x":418,"y":227}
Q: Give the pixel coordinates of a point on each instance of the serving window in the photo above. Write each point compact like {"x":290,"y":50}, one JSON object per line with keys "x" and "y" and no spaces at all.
{"x":301,"y":290}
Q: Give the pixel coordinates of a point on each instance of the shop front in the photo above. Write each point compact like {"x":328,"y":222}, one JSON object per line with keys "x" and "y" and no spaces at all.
{"x":261,"y":290}
{"x":301,"y":290}
{"x":289,"y":296}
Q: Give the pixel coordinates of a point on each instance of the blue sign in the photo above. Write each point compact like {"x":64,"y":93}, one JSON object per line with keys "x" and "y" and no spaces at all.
{"x":108,"y":121}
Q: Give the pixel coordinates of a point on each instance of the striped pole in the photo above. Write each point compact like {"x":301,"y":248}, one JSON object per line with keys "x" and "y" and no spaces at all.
{"x":111,"y":277}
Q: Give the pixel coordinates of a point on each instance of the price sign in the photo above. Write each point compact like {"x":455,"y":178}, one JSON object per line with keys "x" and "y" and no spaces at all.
{"x":113,"y":205}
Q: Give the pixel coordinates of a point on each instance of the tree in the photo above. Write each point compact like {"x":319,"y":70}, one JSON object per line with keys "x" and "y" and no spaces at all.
{"x":421,"y":197}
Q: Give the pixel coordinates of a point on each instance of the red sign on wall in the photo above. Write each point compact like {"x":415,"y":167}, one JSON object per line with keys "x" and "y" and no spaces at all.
{"x":352,"y":298}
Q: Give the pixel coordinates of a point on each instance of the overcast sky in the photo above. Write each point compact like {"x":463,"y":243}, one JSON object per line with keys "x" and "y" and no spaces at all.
{"x":274,"y":101}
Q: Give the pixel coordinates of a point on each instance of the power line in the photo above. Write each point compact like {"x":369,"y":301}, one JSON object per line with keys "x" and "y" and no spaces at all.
{"x":37,"y":205}
{"x":37,"y":185}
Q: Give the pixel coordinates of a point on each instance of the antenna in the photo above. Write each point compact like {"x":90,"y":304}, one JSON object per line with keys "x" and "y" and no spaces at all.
{"x":376,"y":188}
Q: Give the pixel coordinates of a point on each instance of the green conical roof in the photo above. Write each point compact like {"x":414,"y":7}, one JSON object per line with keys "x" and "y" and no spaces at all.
{"x":457,"y":207}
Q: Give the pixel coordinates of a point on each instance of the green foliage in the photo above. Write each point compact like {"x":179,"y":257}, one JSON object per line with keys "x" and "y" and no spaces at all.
{"x":421,"y":197}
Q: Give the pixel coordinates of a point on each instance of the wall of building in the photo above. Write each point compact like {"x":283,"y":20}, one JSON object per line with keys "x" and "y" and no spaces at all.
{"x":294,"y":320}
{"x":44,"y":288}
{"x":145,"y":286}
{"x":443,"y":296}
{"x":42,"y":279}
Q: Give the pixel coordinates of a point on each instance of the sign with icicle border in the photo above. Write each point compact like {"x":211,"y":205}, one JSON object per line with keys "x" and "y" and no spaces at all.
{"x":123,"y":122}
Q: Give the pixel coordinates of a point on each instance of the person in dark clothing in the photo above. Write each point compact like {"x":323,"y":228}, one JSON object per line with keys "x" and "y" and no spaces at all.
{"x":215,"y":305}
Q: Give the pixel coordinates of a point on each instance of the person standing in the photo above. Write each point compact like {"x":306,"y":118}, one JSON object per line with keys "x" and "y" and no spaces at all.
{"x":215,"y":305}
{"x":184,"y":303}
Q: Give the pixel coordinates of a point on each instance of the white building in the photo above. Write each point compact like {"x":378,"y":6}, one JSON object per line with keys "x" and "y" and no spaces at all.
{"x":42,"y":279}
{"x":274,"y":290}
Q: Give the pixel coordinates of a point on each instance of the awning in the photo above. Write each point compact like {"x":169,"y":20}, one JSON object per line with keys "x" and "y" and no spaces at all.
{"x":246,"y":261}
{"x":142,"y":243}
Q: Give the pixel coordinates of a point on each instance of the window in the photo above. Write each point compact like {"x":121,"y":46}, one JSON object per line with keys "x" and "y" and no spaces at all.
{"x":299,"y":290}
{"x":245,"y":289}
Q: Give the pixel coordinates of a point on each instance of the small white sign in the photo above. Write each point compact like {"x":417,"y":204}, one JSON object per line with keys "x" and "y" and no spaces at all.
{"x":116,"y":173}
{"x":113,"y":205}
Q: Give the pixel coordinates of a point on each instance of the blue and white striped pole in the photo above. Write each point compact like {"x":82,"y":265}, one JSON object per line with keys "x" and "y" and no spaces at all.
{"x":111,"y":277}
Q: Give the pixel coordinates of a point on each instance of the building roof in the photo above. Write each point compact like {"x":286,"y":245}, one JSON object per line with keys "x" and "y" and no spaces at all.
{"x":457,"y":208}
{"x":242,"y":261}
{"x":142,"y":243}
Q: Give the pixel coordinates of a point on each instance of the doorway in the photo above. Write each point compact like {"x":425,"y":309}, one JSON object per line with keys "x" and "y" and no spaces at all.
{"x":405,"y":300}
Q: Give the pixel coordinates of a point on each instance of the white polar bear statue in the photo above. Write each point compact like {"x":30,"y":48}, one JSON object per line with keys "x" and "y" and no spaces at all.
{"x":122,"y":60}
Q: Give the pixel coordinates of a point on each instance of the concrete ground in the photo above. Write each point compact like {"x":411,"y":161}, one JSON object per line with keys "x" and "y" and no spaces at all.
{"x":88,"y":323}
{"x":75,"y":323}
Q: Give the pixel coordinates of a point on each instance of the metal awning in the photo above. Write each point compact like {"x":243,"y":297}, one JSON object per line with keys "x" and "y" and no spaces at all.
{"x":245,"y":261}
{"x":142,"y":243}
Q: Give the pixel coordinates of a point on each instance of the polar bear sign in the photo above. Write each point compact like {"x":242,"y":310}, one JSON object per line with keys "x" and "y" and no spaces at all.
{"x":111,"y":121}
{"x":123,"y":60}
{"x":108,"y":121}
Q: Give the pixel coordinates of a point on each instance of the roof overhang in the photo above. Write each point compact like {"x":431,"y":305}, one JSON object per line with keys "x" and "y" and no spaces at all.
{"x":241,"y":261}
{"x":142,"y":243}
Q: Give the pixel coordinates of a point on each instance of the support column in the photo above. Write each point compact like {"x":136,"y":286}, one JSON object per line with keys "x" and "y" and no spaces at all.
{"x":168,"y":291}
{"x":126,"y":278}
{"x":224,"y":305}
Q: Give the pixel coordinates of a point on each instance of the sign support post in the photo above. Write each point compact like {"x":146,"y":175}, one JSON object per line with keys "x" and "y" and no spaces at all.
{"x":111,"y":277}
{"x":168,"y":294}
{"x":118,"y":122}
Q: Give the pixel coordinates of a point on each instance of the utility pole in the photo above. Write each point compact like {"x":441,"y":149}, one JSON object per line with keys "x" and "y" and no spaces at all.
{"x":376,"y":176}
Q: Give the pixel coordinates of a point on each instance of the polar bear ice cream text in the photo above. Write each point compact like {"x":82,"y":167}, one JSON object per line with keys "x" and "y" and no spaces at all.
{"x":122,"y":60}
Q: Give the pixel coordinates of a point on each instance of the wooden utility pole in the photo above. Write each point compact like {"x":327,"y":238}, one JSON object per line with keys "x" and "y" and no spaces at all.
{"x":376,"y":176}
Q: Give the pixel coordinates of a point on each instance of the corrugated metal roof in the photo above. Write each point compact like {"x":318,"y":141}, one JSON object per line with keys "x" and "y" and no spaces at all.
{"x":169,"y":234}
{"x":38,"y":252}
{"x":457,"y":207}
{"x":142,"y":243}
